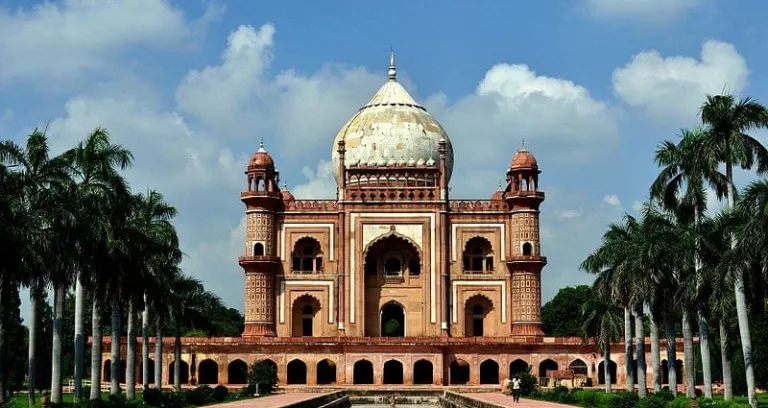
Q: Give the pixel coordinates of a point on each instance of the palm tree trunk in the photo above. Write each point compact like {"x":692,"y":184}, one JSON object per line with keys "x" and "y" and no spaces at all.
{"x":741,"y":305}
{"x":145,"y":346}
{"x":2,"y":344}
{"x":629,"y":354}
{"x":671,"y":353}
{"x":95,"y":351}
{"x":607,"y":367}
{"x":690,"y":371}
{"x":706,"y":362}
{"x":79,"y":339}
{"x":116,"y":364}
{"x":130,"y":359}
{"x":725,"y":358}
{"x":655,"y":354}
{"x":159,"y":356}
{"x":642,"y":387}
{"x":177,"y":363}
{"x":32,"y":350}
{"x":58,"y":315}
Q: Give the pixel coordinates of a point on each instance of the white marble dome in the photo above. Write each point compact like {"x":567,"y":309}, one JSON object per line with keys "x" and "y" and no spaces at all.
{"x":392,"y":128}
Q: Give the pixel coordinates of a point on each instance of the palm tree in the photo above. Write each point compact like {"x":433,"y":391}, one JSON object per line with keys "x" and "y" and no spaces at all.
{"x":613,"y":260}
{"x":603,"y":323}
{"x":729,"y":121}
{"x":40,"y":176}
{"x":686,"y":168}
{"x":153,"y":217}
{"x":94,"y":164}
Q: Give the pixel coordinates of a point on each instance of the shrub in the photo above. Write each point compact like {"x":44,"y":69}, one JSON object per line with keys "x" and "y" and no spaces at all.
{"x":624,"y":400}
{"x":680,"y":402}
{"x":651,"y":402}
{"x":201,"y":395}
{"x":220,"y":393}
{"x":263,"y":374}
{"x":528,"y":382}
{"x":586,"y":398}
{"x":174,"y":400}
{"x":152,"y":397}
{"x":665,"y":395}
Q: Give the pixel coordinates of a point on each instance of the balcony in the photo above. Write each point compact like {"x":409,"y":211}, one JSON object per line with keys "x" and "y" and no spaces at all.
{"x":527,"y":259}
{"x":257,"y":259}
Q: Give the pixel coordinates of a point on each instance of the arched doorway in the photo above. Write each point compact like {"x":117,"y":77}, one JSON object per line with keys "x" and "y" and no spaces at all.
{"x":389,"y":261}
{"x":150,"y":374}
{"x":304,"y":316}
{"x":545,"y":366}
{"x":106,"y":372}
{"x":362,"y":372}
{"x":393,"y":372}
{"x":237,"y":372}
{"x":392,"y":320}
{"x":459,"y":372}
{"x":297,"y":372}
{"x":208,"y":372}
{"x":517,"y":367}
{"x":578,"y":366}
{"x":326,"y":372}
{"x":489,"y":372}
{"x":611,"y":370}
{"x":183,"y":372}
{"x":476,"y":312}
{"x":423,"y":372}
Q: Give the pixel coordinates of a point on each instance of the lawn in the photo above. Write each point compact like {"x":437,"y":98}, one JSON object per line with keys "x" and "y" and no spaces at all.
{"x":20,"y":400}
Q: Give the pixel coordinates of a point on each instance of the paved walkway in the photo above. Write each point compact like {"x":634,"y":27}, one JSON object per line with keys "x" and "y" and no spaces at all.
{"x":271,"y":401}
{"x":506,"y":401}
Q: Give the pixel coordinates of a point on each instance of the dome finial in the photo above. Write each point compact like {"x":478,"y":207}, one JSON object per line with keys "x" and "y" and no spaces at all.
{"x":392,"y":70}
{"x":261,"y":146}
{"x":523,"y":149}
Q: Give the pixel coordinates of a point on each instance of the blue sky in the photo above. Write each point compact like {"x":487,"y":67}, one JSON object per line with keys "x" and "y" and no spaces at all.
{"x":191,"y":87}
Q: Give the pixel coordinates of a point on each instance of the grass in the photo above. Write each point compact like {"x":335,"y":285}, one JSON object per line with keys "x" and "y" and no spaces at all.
{"x":20,"y":400}
{"x":762,"y":399}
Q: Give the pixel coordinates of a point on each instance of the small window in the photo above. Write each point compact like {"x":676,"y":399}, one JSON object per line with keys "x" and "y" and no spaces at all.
{"x":527,"y":249}
{"x":393,"y":266}
{"x":258,"y":249}
{"x":307,"y":256}
{"x":414,"y":267}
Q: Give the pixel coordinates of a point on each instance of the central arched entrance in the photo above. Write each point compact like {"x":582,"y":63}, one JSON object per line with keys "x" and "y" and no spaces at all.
{"x":362,"y":372}
{"x":392,"y":320}
{"x":393,"y":372}
{"x":392,"y":268}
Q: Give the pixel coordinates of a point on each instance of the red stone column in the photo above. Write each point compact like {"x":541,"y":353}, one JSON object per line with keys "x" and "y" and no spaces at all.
{"x":259,"y":304}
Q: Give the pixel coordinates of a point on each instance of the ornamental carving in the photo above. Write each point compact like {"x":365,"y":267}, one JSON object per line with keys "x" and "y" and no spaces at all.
{"x":312,"y":205}
{"x":478,"y":205}
{"x":259,"y":298}
{"x":525,"y":228}
{"x":260,"y":228}
{"x":526,"y":297}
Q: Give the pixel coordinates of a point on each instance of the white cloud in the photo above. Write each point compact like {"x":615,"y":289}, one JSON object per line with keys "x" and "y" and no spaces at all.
{"x":567,"y":214}
{"x":238,"y":99}
{"x":320,"y":183}
{"x":655,"y":10}
{"x":612,"y":199}
{"x":673,"y":88}
{"x":67,"y":40}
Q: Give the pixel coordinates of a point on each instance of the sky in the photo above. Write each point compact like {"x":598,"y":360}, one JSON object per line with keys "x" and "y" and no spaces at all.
{"x":191,"y":88}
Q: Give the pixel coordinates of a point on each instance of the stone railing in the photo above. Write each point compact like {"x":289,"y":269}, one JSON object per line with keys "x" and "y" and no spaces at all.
{"x":477,"y":206}
{"x":312,"y":205}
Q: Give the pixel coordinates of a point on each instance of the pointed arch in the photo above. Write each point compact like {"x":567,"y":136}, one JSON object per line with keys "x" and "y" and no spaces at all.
{"x":305,"y":316}
{"x":517,"y":367}
{"x":477,"y":309}
{"x":392,"y":234}
{"x":307,"y":255}
{"x":393,"y":371}
{"x":392,"y":319}
{"x":478,"y":255}
{"x":296,"y":372}
{"x":578,"y":366}
{"x":489,"y":372}
{"x":326,"y":372}
{"x":362,"y":372}
{"x":208,"y":372}
{"x":459,"y":372}
{"x":237,"y":372}
{"x":547,"y":365}
{"x":423,"y":372}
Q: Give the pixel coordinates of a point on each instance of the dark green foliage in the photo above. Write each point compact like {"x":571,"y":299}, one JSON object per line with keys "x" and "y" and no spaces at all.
{"x":263,"y":374}
{"x":199,"y":396}
{"x":174,"y":400}
{"x":152,"y":397}
{"x":15,"y":353}
{"x":561,"y":316}
{"x":651,"y":402}
{"x":528,"y":382}
{"x":680,"y":402}
{"x":220,"y":393}
{"x":665,"y":395}
{"x":624,"y":400}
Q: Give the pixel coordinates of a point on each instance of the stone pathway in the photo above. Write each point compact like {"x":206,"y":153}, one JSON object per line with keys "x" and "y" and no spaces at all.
{"x":271,"y":401}
{"x":506,"y":401}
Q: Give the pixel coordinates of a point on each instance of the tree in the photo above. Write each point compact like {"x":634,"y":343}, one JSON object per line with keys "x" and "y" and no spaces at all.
{"x":729,"y":121}
{"x":686,"y":168}
{"x":561,"y":316}
{"x":262,"y":378}
{"x":602,"y":322}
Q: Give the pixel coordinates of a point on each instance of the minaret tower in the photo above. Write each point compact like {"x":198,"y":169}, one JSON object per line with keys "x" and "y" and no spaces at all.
{"x":263,"y":200}
{"x":525,"y":264}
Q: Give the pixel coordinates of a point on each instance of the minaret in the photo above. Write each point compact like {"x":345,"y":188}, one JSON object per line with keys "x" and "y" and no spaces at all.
{"x":525,"y":265}
{"x":263,"y":200}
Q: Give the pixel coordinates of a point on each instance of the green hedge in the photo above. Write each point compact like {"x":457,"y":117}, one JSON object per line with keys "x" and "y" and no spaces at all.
{"x":600,"y":399}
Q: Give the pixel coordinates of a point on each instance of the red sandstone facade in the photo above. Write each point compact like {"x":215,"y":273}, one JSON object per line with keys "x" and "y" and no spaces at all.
{"x":393,"y":281}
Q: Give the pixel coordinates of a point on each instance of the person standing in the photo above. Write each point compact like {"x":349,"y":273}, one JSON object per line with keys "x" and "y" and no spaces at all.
{"x":516,"y":389}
